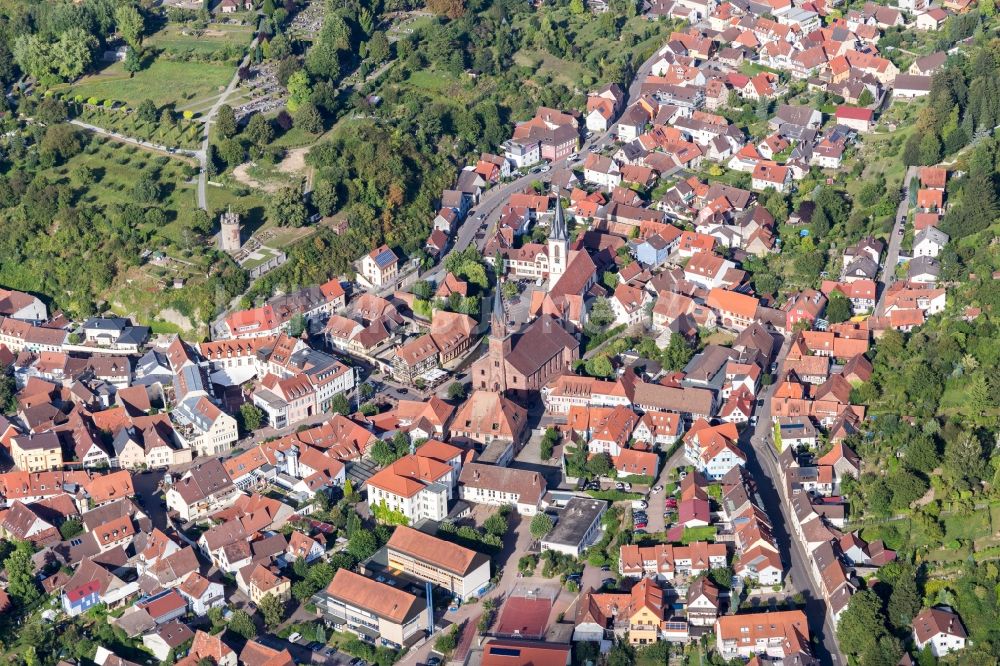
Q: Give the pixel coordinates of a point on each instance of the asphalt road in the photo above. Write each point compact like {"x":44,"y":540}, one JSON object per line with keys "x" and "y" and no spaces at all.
{"x":762,"y":463}
{"x":895,"y":240}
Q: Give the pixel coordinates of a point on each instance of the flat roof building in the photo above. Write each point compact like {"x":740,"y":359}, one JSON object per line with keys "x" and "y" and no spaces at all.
{"x":578,"y":526}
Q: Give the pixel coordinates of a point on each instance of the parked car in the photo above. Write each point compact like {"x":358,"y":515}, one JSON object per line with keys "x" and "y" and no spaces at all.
{"x":639,"y":504}
{"x":294,"y":638}
{"x":657,"y":488}
{"x":671,"y":502}
{"x":605,"y":567}
{"x":619,"y":486}
{"x":639,"y":526}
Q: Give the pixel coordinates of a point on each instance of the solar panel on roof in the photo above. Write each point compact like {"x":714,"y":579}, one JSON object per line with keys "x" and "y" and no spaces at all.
{"x":506,"y":652}
{"x":385,"y":258}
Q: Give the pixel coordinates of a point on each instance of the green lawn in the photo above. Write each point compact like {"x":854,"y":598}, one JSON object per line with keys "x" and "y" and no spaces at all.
{"x":568,"y":73}
{"x":164,"y":82}
{"x":180,"y":39}
{"x":974,"y":525}
{"x":432,"y":81}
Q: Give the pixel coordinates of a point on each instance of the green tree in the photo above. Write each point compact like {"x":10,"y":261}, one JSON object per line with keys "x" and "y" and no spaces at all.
{"x":251,"y":416}
{"x":273,"y":610}
{"x":8,"y":390}
{"x":378,"y":47}
{"x":549,"y":441}
{"x":286,"y":209}
{"x":70,"y":528}
{"x":225,"y":122}
{"x":130,"y":25}
{"x":496,"y":524}
{"x":362,"y":544}
{"x":930,"y":148}
{"x":456,"y":391}
{"x":677,"y":354}
{"x":232,"y":152}
{"x":599,"y":464}
{"x":146,"y":112}
{"x":622,"y":654}
{"x":241,"y":623}
{"x":838,"y":309}
{"x":911,"y":150}
{"x":339,"y":405}
{"x":61,"y":141}
{"x":299,"y":90}
{"x":862,"y":624}
{"x":905,"y":599}
{"x":21,"y":585}
{"x":382,"y":453}
{"x":324,"y":196}
{"x":65,"y":57}
{"x":308,"y":118}
{"x":541,"y":525}
{"x":259,"y":130}
{"x":132,"y":63}
{"x":599,"y":366}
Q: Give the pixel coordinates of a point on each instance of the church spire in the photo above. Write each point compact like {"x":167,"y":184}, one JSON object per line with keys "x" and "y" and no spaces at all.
{"x":498,"y":320}
{"x":558,"y":231}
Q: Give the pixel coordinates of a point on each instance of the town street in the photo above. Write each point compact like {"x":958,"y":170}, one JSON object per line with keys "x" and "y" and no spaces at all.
{"x":895,"y":240}
{"x":762,"y":463}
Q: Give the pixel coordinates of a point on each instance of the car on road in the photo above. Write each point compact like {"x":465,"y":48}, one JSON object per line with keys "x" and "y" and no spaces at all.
{"x":481,"y":216}
{"x":657,"y":488}
{"x":594,"y":149}
{"x":404,"y":390}
{"x":900,"y":232}
{"x":753,"y":421}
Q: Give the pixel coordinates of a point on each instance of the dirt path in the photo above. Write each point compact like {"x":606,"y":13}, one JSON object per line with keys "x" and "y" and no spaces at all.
{"x":242,"y":174}
{"x":294,"y":164}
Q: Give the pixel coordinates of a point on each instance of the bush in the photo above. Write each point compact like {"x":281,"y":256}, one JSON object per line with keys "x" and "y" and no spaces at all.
{"x":639,"y":479}
{"x":188,"y":115}
{"x":613,"y":495}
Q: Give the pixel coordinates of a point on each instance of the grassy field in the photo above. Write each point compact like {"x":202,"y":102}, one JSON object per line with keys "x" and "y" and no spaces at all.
{"x":164,"y":82}
{"x":562,"y":71}
{"x":180,"y":39}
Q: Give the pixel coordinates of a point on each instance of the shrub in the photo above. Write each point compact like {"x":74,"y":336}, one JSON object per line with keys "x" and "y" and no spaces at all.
{"x":188,"y":115}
